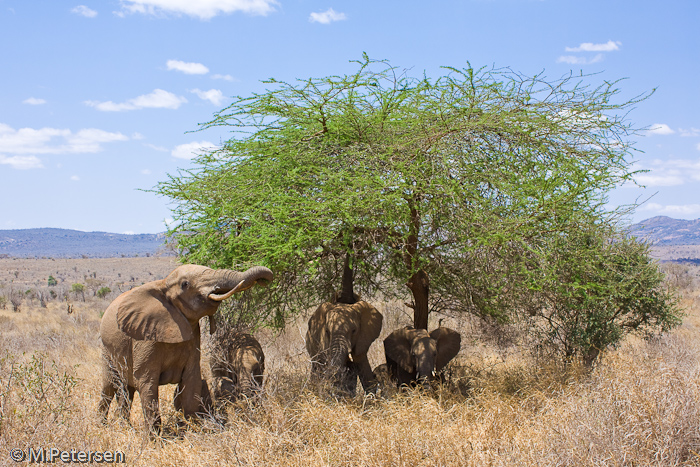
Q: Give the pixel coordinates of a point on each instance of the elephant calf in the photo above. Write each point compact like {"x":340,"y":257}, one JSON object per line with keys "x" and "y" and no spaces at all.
{"x":338,"y":339}
{"x":237,"y":365}
{"x":416,"y":356}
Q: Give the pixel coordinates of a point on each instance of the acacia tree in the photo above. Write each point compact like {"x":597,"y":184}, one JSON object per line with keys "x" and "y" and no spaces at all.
{"x":404,"y":181}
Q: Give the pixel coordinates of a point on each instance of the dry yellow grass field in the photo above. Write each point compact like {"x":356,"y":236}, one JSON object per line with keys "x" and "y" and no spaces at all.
{"x":640,"y":406}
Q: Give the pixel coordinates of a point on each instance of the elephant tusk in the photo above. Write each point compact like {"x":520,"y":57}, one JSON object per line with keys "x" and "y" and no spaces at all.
{"x":434,"y":373}
{"x":222,"y":297}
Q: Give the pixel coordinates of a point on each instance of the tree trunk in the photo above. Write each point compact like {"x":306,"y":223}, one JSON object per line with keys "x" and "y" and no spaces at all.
{"x":347,"y":295}
{"x":419,"y":286}
{"x":419,"y":282}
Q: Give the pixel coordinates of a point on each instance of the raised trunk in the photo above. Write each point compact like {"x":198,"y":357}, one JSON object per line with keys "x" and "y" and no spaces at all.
{"x":233,"y":281}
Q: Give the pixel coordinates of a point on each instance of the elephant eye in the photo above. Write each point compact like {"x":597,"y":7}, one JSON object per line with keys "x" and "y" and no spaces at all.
{"x":185,"y":284}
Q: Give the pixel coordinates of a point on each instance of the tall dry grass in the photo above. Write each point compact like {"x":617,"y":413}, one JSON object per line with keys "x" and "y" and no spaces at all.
{"x":640,"y":406}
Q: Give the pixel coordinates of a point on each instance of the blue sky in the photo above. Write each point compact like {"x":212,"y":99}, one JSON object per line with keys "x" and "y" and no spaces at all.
{"x":98,"y":100}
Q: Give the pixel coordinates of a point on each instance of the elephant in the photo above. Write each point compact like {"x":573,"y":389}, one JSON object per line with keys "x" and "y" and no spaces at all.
{"x":151,"y":337}
{"x":338,"y":339}
{"x":414,"y":356}
{"x":237,"y":365}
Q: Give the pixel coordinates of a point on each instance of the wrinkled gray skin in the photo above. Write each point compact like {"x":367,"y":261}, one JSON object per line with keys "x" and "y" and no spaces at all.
{"x":338,"y":339}
{"x":151,"y":337}
{"x":237,"y":365}
{"x":414,"y":356}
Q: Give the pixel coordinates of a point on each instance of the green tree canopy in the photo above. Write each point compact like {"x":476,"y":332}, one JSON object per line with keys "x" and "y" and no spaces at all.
{"x":447,"y":186}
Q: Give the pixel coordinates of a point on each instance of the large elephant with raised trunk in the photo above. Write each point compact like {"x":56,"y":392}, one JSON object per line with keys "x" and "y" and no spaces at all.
{"x":416,"y":356}
{"x":151,"y":336}
{"x":338,"y":339}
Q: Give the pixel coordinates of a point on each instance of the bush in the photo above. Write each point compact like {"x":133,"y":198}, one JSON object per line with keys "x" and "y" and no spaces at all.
{"x":78,"y":289}
{"x":103,"y":291}
{"x":603,"y":287}
{"x":35,"y":394}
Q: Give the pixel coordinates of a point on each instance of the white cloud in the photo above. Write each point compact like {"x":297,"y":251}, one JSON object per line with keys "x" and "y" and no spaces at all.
{"x":671,"y":172}
{"x":327,"y":17}
{"x":660,"y":129}
{"x":128,"y":232}
{"x":574,"y":60}
{"x":34,"y":101}
{"x":202,"y":9}
{"x":158,"y":99}
{"x":22,"y":162}
{"x":669,"y":179}
{"x":609,"y":46}
{"x":157,"y":148}
{"x":691,"y":132}
{"x":82,"y":10}
{"x":190,"y":150}
{"x":145,"y":172}
{"x":698,"y":147}
{"x":75,"y":178}
{"x":54,"y":140}
{"x":189,"y":68}
{"x":224,"y":77}
{"x":137,"y":136}
{"x":214,"y":96}
{"x":672,"y":209}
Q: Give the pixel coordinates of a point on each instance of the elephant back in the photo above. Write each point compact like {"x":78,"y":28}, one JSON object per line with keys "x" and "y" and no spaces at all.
{"x":229,"y":349}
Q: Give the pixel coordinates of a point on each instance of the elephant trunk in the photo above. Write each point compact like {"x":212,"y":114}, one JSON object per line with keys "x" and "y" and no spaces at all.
{"x":232,"y":282}
{"x":339,"y":349}
{"x":425,"y":373}
{"x":245,"y":386}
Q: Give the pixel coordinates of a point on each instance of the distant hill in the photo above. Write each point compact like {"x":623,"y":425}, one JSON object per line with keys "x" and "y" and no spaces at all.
{"x":63,"y":243}
{"x":664,"y":231}
{"x":661,"y":231}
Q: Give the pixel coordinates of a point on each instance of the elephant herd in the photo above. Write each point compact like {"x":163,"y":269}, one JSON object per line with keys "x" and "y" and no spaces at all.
{"x":151,"y":337}
{"x":339,"y":337}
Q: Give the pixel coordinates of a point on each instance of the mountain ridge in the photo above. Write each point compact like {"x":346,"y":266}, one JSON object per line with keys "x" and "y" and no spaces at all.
{"x":666,"y":231}
{"x":66,"y":243}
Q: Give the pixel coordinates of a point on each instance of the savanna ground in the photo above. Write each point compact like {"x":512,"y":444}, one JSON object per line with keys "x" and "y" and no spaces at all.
{"x":500,"y":406}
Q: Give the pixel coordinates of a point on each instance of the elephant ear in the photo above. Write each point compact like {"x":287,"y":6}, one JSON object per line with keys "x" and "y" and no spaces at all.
{"x":370,"y":326}
{"x":316,"y":338}
{"x":448,"y":345}
{"x":146,"y":314}
{"x":397,"y":347}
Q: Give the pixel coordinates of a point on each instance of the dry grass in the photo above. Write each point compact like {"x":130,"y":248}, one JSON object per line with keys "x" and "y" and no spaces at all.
{"x":640,"y":406}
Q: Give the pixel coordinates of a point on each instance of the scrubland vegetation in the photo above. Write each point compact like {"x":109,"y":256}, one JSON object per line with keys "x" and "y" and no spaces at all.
{"x":500,"y":404}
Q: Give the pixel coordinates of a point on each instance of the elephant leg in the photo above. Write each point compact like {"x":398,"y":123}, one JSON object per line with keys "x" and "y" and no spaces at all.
{"x":148,"y":390}
{"x":364,"y":370}
{"x":112,"y":382}
{"x":190,"y":389}
{"x":108,"y":391}
{"x":125,"y":396}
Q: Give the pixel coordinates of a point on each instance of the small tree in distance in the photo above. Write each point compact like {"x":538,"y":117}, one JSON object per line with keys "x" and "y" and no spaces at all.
{"x":396,"y":182}
{"x":78,"y":289}
{"x":103,"y":292}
